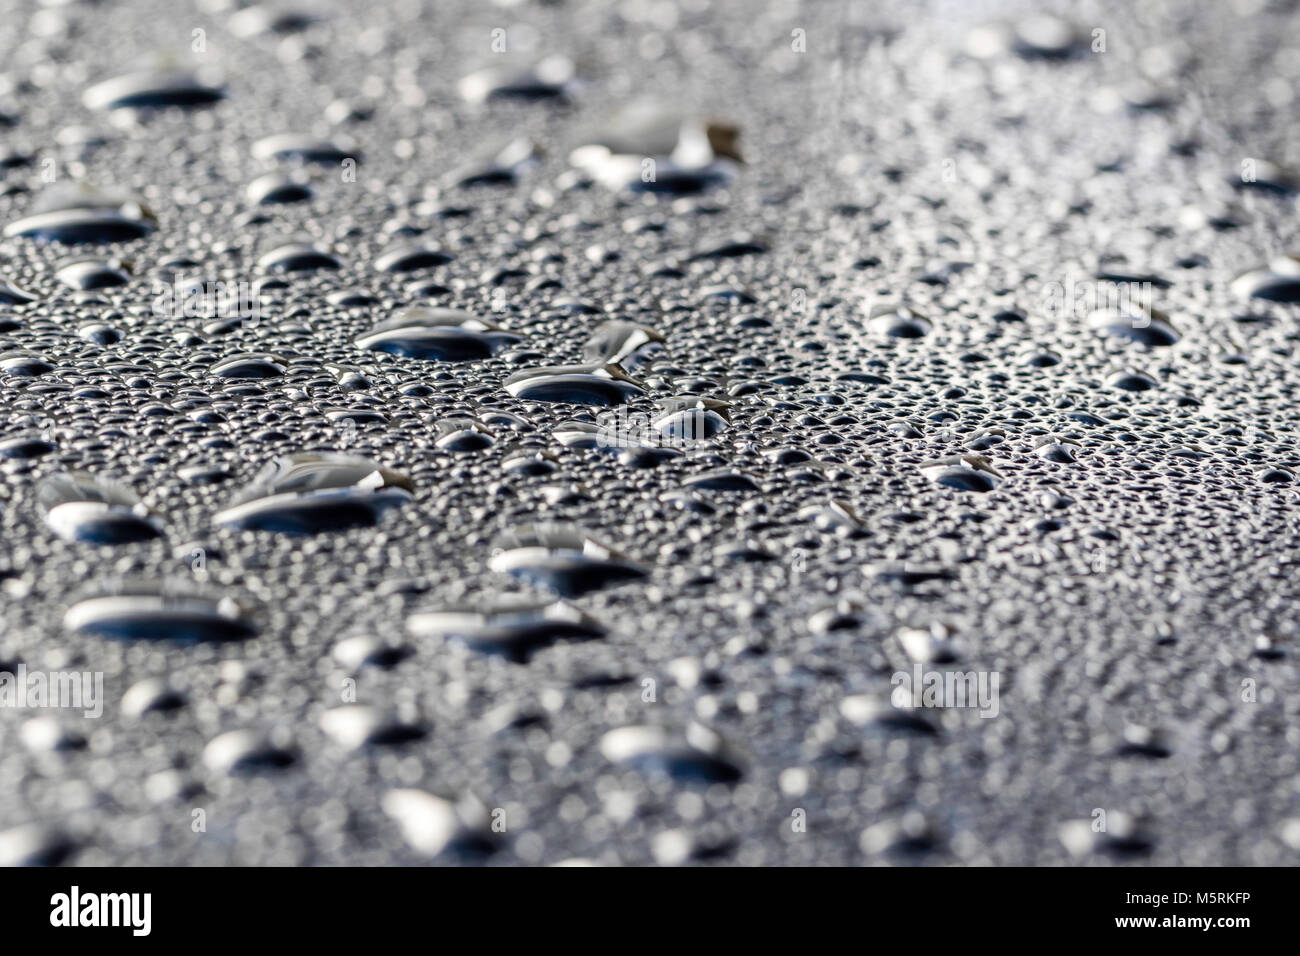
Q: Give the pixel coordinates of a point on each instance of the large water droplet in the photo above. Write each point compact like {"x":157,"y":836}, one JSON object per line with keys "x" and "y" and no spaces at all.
{"x":648,"y":147}
{"x":550,"y":79}
{"x":512,"y":628}
{"x":1278,"y":282}
{"x":24,"y":364}
{"x":580,"y":384}
{"x":80,"y":507}
{"x":271,"y":19}
{"x":301,"y":148}
{"x":247,"y":752}
{"x":358,"y":725}
{"x":81,"y":214}
{"x":160,"y":610}
{"x":1132,"y":381}
{"x":10,"y":294}
{"x":502,"y":166}
{"x":696,"y":755}
{"x":1135,"y":323}
{"x":33,"y":844}
{"x":561,"y":558}
{"x":250,"y":365}
{"x":963,"y":473}
{"x":89,"y":274}
{"x":297,"y":257}
{"x":148,"y":90}
{"x":435,"y":825}
{"x":274,"y":189}
{"x":446,"y":335}
{"x":623,"y":343}
{"x":898,"y":321}
{"x":412,"y":259}
{"x":315,"y":492}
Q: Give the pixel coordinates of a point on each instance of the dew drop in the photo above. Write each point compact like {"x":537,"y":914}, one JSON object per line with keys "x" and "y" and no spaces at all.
{"x":561,"y":558}
{"x":445,"y":335}
{"x":80,"y":507}
{"x":310,"y":493}
{"x":160,"y":610}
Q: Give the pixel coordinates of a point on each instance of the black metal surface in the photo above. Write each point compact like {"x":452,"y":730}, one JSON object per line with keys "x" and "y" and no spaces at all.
{"x":914,"y":435}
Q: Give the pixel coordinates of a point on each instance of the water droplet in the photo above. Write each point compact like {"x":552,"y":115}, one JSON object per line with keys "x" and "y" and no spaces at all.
{"x":152,"y":90}
{"x":315,"y":492}
{"x":10,"y":294}
{"x":561,"y":558}
{"x":274,"y":189}
{"x":963,"y":473}
{"x":160,"y":610}
{"x":300,"y":148}
{"x":22,"y":447}
{"x":731,"y":249}
{"x":1275,"y":476}
{"x":723,"y":479}
{"x":698,"y":754}
{"x":89,"y":274}
{"x":687,"y":154}
{"x":501,"y":167}
{"x":1136,"y":324}
{"x":24,"y":364}
{"x":151,"y":696}
{"x":1062,"y":452}
{"x":1278,"y":282}
{"x":435,"y":825}
{"x":907,"y":836}
{"x":1269,"y":177}
{"x":898,"y":321}
{"x":247,"y":752}
{"x":1142,"y":741}
{"x":1132,"y":381}
{"x":933,"y":645}
{"x":463,"y":435}
{"x":412,"y":259}
{"x":1123,"y":836}
{"x":80,"y":214}
{"x":249,"y":365}
{"x":550,"y":79}
{"x":513,"y":628}
{"x":351,"y":299}
{"x":579,"y":384}
{"x":1035,"y":36}
{"x":271,"y":19}
{"x":356,"y":725}
{"x":883,"y":715}
{"x":623,"y":343}
{"x":79,"y":507}
{"x":33,"y":844}
{"x":366,"y":650}
{"x":445,"y":335}
{"x":297,"y":257}
{"x":835,"y":516}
